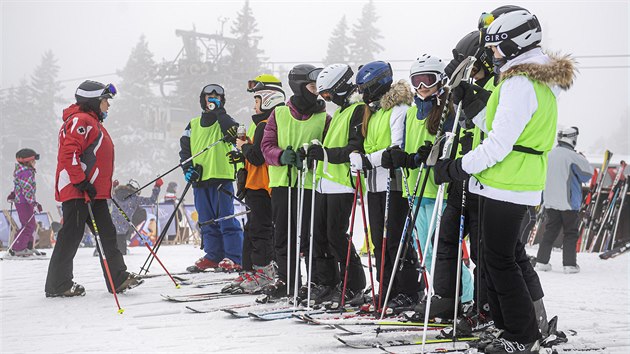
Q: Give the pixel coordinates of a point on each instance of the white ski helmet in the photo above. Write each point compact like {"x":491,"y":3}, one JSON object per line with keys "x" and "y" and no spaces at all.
{"x":427,"y":64}
{"x":335,"y":79}
{"x":513,"y":33}
{"x":269,"y":98}
{"x":568,"y":135}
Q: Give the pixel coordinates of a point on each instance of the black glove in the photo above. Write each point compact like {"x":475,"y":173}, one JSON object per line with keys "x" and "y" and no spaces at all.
{"x":231,"y":134}
{"x":315,"y":152}
{"x":288,"y":156}
{"x":394,"y":157}
{"x":423,"y":153}
{"x":87,"y":187}
{"x":448,"y":170}
{"x":11,"y":197}
{"x":466,"y":142}
{"x":38,"y":206}
{"x":192,"y":175}
{"x":241,"y":180}
{"x":473,"y":98}
{"x":301,"y":155}
{"x":235,"y":157}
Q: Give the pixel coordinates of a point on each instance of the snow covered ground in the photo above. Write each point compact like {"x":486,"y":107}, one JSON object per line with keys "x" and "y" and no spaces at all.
{"x":595,"y":303}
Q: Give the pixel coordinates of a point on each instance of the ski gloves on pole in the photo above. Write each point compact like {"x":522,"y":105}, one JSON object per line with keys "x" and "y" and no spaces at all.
{"x":11,"y":197}
{"x":449,"y":170}
{"x":230,"y":134}
{"x":292,"y":157}
{"x":359,"y":162}
{"x":87,"y":187}
{"x":473,"y":99}
{"x":235,"y":157}
{"x":394,"y":157}
{"x":192,"y":175}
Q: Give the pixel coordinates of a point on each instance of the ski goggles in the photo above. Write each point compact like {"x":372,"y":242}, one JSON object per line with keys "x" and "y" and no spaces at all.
{"x":485,"y":20}
{"x":27,"y":159}
{"x":254,"y":86}
{"x":213,"y":88}
{"x":326,"y":95}
{"x":427,"y":80}
{"x":311,"y":76}
{"x":110,"y":89}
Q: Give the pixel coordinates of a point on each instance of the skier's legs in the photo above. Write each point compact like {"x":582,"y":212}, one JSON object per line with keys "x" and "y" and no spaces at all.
{"x":376,"y":209}
{"x":323,"y":256}
{"x":107,"y":233}
{"x":211,"y":233}
{"x":59,"y":277}
{"x":230,"y":229}
{"x":25,"y":213}
{"x":406,"y":280}
{"x":552,"y":230}
{"x":570,"y":220}
{"x":260,"y":226}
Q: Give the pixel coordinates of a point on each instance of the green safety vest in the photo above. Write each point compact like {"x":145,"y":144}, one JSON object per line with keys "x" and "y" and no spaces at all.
{"x":520,"y":171}
{"x":295,"y":133}
{"x":416,"y":133}
{"x":337,"y":136}
{"x":251,"y":131}
{"x":379,"y":131}
{"x":214,"y":162}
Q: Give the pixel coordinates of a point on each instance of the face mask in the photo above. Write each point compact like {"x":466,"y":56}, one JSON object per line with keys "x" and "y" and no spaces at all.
{"x":498,"y":63}
{"x":213,"y":103}
{"x":103,"y":115}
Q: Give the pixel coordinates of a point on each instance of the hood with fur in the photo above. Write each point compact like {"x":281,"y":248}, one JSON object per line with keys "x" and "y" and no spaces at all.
{"x":560,"y":71}
{"x":399,"y":93}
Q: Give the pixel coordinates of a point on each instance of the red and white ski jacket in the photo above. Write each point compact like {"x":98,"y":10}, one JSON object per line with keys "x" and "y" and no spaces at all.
{"x":85,"y":151}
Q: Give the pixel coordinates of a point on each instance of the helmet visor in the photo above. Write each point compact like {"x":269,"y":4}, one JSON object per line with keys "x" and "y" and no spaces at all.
{"x":311,"y":76}
{"x":326,"y":95}
{"x":213,"y":88}
{"x":253,"y":85}
{"x":110,"y":89}
{"x":485,"y":20}
{"x":427,"y":80}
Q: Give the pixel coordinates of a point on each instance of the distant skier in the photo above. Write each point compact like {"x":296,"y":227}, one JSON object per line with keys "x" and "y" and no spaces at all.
{"x":562,"y":198}
{"x":25,"y":202}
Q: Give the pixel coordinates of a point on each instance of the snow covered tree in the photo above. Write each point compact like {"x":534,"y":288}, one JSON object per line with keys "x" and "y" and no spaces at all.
{"x":338,"y":44}
{"x":244,"y":62}
{"x":364,"y":45}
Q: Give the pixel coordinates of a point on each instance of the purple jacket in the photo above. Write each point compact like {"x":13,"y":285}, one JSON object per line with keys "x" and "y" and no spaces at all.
{"x":269,"y":144}
{"x":24,"y":184}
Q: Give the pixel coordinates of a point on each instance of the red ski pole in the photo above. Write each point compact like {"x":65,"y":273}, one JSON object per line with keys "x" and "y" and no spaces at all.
{"x":146,"y":242}
{"x":367,"y":241}
{"x":102,"y":253}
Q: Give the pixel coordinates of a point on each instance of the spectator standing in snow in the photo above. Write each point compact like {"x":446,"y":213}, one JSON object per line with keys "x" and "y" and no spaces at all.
{"x":568,"y":169}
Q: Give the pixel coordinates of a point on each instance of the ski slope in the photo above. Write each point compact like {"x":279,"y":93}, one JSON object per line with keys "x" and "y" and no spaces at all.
{"x":595,"y":303}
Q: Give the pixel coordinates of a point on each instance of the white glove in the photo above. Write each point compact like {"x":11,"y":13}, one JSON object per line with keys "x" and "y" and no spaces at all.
{"x":356,"y":162}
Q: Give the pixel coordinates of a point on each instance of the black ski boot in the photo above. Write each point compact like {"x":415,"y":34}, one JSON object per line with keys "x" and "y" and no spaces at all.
{"x":275,"y":290}
{"x":131,"y":282}
{"x":504,"y":346}
{"x":319,"y":294}
{"x":441,"y":307}
{"x":352,"y":298}
{"x":553,"y":336}
{"x":401,"y":303}
{"x":75,"y":290}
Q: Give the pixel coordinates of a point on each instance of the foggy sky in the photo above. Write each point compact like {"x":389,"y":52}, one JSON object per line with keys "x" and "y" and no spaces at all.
{"x":91,"y":38}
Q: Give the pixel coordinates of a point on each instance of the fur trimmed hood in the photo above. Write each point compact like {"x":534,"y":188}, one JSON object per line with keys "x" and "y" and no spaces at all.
{"x":354,"y":98}
{"x":560,"y":71}
{"x":399,"y":93}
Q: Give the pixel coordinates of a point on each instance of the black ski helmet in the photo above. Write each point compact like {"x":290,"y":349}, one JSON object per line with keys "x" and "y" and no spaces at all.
{"x":466,"y":47}
{"x":209,"y":89}
{"x":90,"y":93}
{"x":26,"y":155}
{"x":302,"y":75}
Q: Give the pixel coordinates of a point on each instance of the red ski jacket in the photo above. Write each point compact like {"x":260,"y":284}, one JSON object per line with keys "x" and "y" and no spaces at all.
{"x":85,"y":151}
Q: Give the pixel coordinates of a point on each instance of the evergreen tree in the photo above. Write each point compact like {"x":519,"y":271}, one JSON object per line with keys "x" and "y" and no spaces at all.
{"x":244,"y":62}
{"x":365,"y":36}
{"x":134,"y":121}
{"x":338,"y":44}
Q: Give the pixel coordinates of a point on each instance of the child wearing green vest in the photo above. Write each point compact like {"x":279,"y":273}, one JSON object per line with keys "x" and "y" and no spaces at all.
{"x":509,"y":169}
{"x":210,"y":171}
{"x":288,"y":127}
{"x":335,"y":191}
{"x":428,"y":78}
{"x":384,"y":126}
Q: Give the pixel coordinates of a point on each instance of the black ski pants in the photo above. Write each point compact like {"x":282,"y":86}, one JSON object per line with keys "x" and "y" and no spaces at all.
{"x":75,"y":216}
{"x":567,"y":220}
{"x":406,"y":280}
{"x":330,"y":243}
{"x":258,"y":232}
{"x":280,"y":211}
{"x":511,"y":303}
{"x":446,"y":264}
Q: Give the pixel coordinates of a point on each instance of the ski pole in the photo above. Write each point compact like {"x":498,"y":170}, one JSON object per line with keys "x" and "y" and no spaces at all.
{"x":310,"y":236}
{"x":459,"y":258}
{"x":289,"y":226}
{"x":156,"y":247}
{"x":384,"y":243}
{"x":228,"y":217}
{"x":300,"y":183}
{"x":623,"y":199}
{"x":351,"y":234}
{"x":367,"y":236}
{"x":146,"y":241}
{"x":101,"y":252}
{"x":223,"y":139}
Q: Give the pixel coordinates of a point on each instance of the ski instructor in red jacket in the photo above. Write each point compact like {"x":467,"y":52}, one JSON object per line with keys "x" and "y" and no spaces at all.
{"x":85,"y":164}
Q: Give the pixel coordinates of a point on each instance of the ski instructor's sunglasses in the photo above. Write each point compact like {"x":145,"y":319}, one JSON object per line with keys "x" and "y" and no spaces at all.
{"x":427,"y":80}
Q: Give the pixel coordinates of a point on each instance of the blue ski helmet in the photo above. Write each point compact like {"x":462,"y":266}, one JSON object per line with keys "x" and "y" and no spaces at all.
{"x":374,"y":79}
